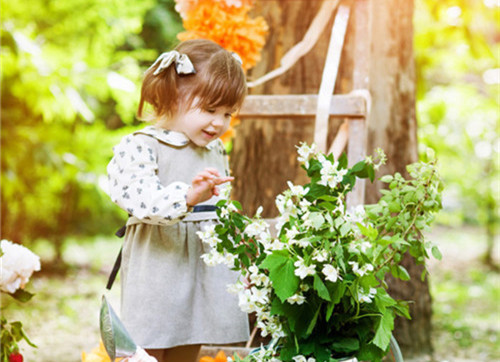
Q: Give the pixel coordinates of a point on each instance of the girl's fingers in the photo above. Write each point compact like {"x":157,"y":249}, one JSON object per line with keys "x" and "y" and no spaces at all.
{"x":212,"y":171}
{"x":221,"y":180}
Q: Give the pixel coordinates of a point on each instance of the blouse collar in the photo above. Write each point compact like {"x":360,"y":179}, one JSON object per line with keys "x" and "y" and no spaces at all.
{"x":173,"y":138}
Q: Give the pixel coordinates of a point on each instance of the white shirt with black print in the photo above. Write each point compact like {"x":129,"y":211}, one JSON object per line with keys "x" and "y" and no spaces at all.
{"x":135,"y":186}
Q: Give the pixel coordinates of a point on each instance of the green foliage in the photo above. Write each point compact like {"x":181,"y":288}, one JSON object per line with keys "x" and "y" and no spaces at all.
{"x":318,"y":286}
{"x":456,"y":46}
{"x":10,"y":334}
{"x":71,"y":74}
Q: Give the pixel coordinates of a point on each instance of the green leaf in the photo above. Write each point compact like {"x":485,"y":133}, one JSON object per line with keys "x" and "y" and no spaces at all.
{"x":436,"y":253}
{"x":368,"y":231}
{"x":22,"y":295}
{"x":384,"y":330}
{"x":345,"y":345}
{"x":317,"y":220}
{"x":281,"y":273}
{"x":399,"y":271}
{"x":394,"y":206}
{"x":312,"y":324}
{"x":320,"y":287}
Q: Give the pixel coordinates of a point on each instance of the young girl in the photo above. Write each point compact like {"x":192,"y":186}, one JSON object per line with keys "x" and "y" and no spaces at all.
{"x":166,"y":176}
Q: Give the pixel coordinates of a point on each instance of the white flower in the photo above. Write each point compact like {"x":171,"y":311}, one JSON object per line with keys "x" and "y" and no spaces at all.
{"x":259,"y":295}
{"x":229,"y":260}
{"x":361,"y":271}
{"x":356,"y":215}
{"x":297,"y":190}
{"x":224,"y":212}
{"x":320,"y":256}
{"x":331,"y":273}
{"x":296,"y":299}
{"x":306,"y":153}
{"x":301,"y":358}
{"x":256,"y":228}
{"x":213,"y":258}
{"x":235,"y":288}
{"x":17,"y":265}
{"x":209,"y":236}
{"x":303,"y":270}
{"x":364,"y":297}
{"x":292,"y":232}
{"x":225,"y":191}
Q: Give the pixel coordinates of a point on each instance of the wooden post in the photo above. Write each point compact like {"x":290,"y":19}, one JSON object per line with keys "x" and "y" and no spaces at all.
{"x":356,"y":149}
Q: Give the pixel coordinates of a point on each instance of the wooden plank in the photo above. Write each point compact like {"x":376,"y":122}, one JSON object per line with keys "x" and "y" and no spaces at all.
{"x":356,"y":148}
{"x":301,"y":105}
{"x":329,"y":77}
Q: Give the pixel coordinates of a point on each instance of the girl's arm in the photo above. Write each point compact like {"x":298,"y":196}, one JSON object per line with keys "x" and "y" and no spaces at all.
{"x":135,"y":186}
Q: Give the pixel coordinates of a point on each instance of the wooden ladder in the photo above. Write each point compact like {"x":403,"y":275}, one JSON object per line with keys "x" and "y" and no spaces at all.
{"x":354,"y":107}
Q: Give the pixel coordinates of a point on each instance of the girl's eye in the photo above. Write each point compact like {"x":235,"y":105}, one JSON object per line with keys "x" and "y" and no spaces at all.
{"x":228,"y":115}
{"x":211,"y":110}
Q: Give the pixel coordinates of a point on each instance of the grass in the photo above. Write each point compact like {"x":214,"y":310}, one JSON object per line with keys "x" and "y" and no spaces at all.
{"x":62,"y":318}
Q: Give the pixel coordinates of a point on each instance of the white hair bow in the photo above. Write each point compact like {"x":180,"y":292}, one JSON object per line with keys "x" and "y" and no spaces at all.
{"x":182,"y":62}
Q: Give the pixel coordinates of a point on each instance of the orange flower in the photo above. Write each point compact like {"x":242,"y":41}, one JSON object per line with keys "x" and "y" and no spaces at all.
{"x":220,"y":357}
{"x":229,"y":26}
{"x":98,"y":354}
{"x":184,"y":6}
{"x":226,"y":137}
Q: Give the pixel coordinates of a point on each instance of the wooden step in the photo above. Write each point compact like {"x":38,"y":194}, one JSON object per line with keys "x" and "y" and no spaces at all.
{"x":301,"y":105}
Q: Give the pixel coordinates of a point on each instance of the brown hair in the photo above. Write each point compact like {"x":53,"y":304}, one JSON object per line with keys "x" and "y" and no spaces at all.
{"x":219,"y":81}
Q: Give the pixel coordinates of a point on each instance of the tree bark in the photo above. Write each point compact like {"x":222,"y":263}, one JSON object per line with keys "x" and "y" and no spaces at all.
{"x":264,"y":154}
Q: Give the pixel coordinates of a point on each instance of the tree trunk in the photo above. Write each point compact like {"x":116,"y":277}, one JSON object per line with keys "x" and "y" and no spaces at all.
{"x":393,"y":127}
{"x":264,"y":154}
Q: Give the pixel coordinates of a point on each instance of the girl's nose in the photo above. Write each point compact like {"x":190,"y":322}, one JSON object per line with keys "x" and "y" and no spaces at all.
{"x":218,"y":121}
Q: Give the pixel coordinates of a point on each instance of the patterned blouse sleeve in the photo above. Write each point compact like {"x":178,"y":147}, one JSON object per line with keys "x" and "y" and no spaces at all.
{"x":135,"y":186}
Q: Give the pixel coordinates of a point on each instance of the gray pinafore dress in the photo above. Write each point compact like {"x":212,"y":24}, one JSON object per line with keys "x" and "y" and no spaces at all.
{"x":170,"y":297}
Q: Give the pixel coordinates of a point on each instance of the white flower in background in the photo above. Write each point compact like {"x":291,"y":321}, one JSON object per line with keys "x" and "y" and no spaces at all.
{"x":320,"y":255}
{"x":296,"y":299}
{"x":301,"y":358}
{"x":331,"y":273}
{"x":213,"y":258}
{"x":258,"y":278}
{"x":276,"y":244}
{"x":297,"y":190}
{"x":303,"y":270}
{"x":360,"y":271}
{"x":236,"y":288}
{"x":17,"y":265}
{"x":292,"y":232}
{"x":256,"y":228}
{"x":306,"y":153}
{"x":304,"y":205}
{"x":359,"y":246}
{"x":357,"y":214}
{"x":366,"y":297}
{"x":225,"y":191}
{"x":364,"y":246}
{"x":224,"y":212}
{"x":259,"y":295}
{"x":209,"y":236}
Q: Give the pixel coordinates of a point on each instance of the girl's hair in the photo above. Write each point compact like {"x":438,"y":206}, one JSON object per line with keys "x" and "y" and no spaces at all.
{"x":219,"y":81}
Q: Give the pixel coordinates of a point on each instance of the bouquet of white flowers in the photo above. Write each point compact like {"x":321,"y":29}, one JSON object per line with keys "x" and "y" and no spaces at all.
{"x":317,"y":286}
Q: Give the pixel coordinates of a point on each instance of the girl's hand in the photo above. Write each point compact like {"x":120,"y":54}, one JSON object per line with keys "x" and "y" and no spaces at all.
{"x":204,"y":186}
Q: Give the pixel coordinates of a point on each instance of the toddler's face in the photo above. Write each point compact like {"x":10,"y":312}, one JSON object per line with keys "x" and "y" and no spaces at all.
{"x":202,"y":126}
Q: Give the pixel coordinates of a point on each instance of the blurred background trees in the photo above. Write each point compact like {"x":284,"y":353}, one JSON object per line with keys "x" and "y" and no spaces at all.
{"x":70,"y":80}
